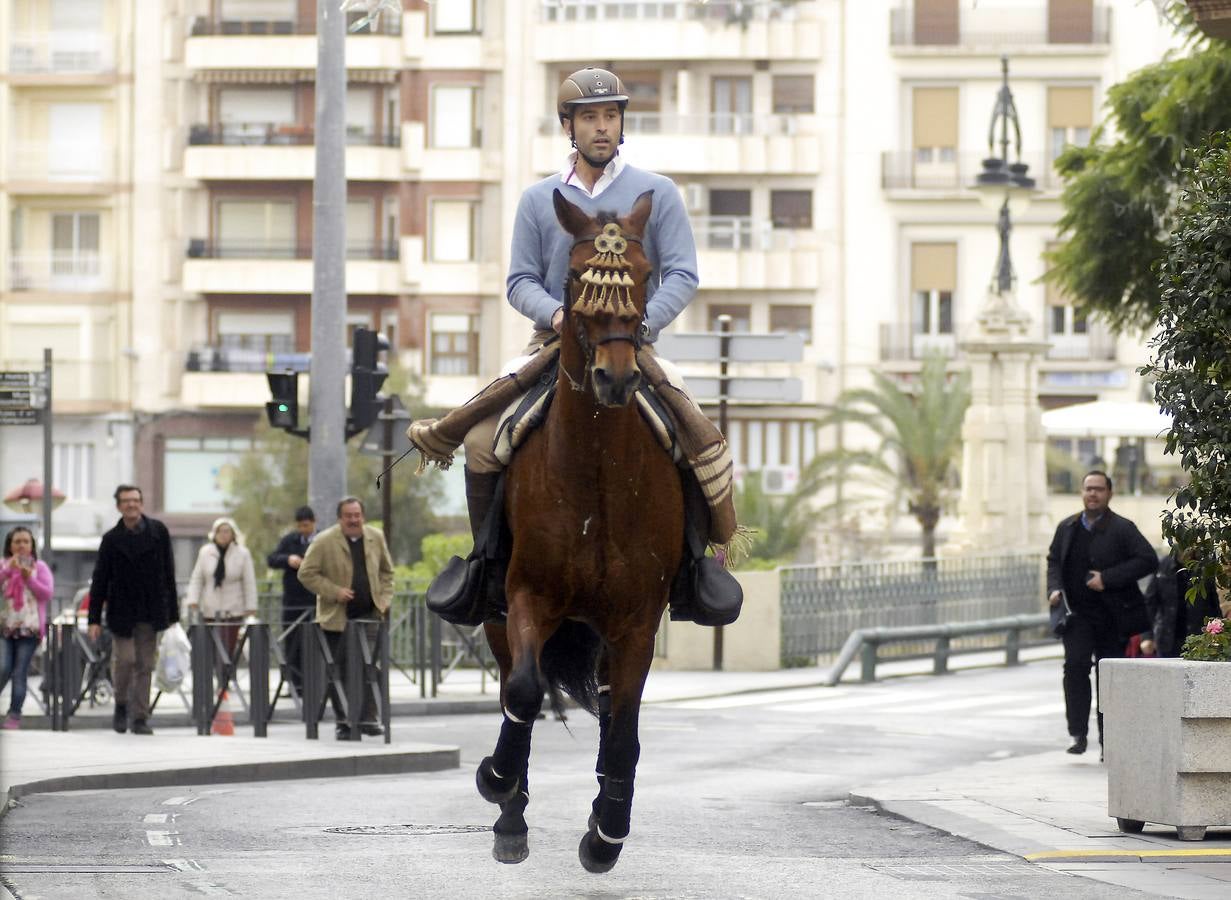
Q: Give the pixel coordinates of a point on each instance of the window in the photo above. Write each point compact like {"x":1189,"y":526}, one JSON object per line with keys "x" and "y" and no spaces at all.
{"x":198,"y":473}
{"x":258,"y":10}
{"x":361,"y":229}
{"x":75,"y":141}
{"x":1070,"y":21}
{"x":74,"y":249}
{"x":728,"y":226}
{"x":791,"y":320}
{"x":1070,"y":115}
{"x":937,"y":22}
{"x":256,"y":229}
{"x":455,"y":116}
{"x":251,"y":115}
{"x":72,"y":467}
{"x":453,"y":230}
{"x":791,"y":209}
{"x":455,"y":17}
{"x":933,"y":281}
{"x":793,"y":94}
{"x":741,"y":316}
{"x":934,"y":137}
{"x":454,"y":344}
{"x":360,"y":114}
{"x":261,"y":332}
{"x":731,"y":104}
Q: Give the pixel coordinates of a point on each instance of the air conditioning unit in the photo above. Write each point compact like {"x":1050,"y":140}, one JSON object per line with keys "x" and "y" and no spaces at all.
{"x":694,"y":198}
{"x":779,"y":480}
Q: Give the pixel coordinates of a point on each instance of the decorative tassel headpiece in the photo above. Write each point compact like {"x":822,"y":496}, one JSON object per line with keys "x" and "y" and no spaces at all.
{"x":606,"y":284}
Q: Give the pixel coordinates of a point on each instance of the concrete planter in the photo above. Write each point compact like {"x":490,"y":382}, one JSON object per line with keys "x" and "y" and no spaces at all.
{"x":1168,"y":743}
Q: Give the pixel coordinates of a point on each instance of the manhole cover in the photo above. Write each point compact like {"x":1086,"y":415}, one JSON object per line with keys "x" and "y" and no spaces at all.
{"x":407,"y":830}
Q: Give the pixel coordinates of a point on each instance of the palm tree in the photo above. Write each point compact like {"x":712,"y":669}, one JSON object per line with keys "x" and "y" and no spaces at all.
{"x":920,"y":440}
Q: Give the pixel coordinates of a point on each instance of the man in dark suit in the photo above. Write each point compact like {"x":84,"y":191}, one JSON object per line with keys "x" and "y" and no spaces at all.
{"x":134,"y":580}
{"x":1096,"y":559}
{"x":296,"y":599}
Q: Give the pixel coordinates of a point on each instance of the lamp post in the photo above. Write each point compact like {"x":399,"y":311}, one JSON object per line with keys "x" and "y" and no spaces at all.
{"x":1003,"y":504}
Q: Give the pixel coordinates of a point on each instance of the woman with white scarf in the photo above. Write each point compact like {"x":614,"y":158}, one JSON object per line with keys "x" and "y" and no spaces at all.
{"x":223,"y":583}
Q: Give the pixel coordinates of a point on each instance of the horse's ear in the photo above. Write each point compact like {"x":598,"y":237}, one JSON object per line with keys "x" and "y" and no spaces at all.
{"x":572,"y":219}
{"x":641,"y":213}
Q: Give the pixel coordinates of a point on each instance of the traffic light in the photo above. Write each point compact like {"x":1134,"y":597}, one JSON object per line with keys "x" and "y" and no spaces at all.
{"x":368,"y":373}
{"x":283,"y":409}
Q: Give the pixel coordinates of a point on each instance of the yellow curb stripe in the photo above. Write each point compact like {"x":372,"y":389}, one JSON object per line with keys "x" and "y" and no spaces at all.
{"x":1142,"y":854}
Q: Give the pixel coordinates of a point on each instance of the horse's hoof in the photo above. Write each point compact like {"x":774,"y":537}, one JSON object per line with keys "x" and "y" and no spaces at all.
{"x":510,"y":848}
{"x":596,"y":855}
{"x":488,"y":784}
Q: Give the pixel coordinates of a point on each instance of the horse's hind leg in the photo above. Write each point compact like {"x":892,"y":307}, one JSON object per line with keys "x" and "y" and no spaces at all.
{"x":618,"y":754}
{"x":502,"y":778}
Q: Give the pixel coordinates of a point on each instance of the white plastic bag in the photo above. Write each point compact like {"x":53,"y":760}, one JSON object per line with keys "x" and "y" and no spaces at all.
{"x":174,"y":659}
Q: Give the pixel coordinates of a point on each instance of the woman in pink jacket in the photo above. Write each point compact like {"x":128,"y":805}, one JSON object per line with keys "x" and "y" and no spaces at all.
{"x":25,"y":591}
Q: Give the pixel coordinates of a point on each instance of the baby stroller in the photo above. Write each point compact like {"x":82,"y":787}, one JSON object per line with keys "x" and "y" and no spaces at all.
{"x":96,"y":687}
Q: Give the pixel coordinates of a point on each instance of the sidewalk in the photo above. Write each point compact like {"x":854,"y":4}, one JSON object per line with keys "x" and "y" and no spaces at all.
{"x":1051,"y":809}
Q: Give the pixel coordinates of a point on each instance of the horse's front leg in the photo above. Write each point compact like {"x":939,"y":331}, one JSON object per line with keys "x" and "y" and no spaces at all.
{"x":610,"y":822}
{"x":503,"y":777}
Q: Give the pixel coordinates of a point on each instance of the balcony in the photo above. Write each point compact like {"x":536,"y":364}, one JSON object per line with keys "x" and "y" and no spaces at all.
{"x":66,"y":272}
{"x":996,"y":28}
{"x":229,"y":44}
{"x":60,"y":167}
{"x":684,"y":30}
{"x":740,"y":253}
{"x":718,"y":144}
{"x":899,"y":342}
{"x":284,"y":267}
{"x":1096,"y":345}
{"x":446,"y":163}
{"x":268,"y":151}
{"x":80,"y":385}
{"x":903,"y":176}
{"x":470,"y":278}
{"x":61,"y":53}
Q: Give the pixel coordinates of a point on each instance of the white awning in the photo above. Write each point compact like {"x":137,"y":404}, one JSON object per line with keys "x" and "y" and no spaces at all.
{"x":1107,"y":419}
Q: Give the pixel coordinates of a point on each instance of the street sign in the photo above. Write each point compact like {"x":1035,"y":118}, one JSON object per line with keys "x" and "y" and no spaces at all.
{"x":23,"y":379}
{"x":707,"y":347}
{"x":21,"y":416}
{"x":21,"y":398}
{"x":764,"y":390}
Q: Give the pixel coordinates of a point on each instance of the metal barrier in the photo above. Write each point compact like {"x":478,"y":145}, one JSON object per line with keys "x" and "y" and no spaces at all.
{"x":868,"y":641}
{"x":210,"y":659}
{"x":366,"y":667}
{"x":822,"y":605}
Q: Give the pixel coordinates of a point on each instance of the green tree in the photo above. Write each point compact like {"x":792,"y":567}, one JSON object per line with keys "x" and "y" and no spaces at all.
{"x":1192,"y":359}
{"x":779,"y":524}
{"x":1124,"y":192}
{"x":920,"y":439}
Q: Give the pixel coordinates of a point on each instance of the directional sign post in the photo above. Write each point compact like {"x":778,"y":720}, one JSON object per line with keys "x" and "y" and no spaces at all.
{"x":25,"y":399}
{"x":386,"y":438}
{"x":726,"y":348}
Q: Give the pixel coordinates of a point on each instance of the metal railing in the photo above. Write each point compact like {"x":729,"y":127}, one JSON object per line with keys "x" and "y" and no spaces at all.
{"x":823,"y":605}
{"x":241,"y":359}
{"x":61,"y":53}
{"x":61,"y":160}
{"x":900,"y":342}
{"x":740,"y":233}
{"x":282,"y":134}
{"x":388,"y":24}
{"x":703,"y":124}
{"x":998,"y":26}
{"x":67,"y":271}
{"x":199,"y":248}
{"x":903,"y":170}
{"x":718,"y":12}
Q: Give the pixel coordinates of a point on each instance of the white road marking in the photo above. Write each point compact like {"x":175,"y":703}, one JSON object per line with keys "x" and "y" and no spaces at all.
{"x":180,"y":801}
{"x":185,"y":865}
{"x":156,"y":818}
{"x":162,"y":838}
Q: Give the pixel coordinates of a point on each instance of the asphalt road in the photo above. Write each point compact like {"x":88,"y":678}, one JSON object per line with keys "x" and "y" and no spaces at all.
{"x":736,"y":797}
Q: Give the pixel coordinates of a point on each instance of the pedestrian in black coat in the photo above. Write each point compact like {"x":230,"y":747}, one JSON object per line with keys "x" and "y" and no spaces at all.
{"x":1096,"y":559}
{"x":1172,"y":617}
{"x":296,"y":599}
{"x":134,"y":581}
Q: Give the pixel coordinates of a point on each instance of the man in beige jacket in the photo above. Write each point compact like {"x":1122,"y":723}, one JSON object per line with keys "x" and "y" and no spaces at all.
{"x":349,"y":569}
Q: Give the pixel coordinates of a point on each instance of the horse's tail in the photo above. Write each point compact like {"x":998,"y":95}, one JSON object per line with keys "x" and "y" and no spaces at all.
{"x":570,"y":663}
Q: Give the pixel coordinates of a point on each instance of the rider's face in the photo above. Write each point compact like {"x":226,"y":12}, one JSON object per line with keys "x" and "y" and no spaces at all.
{"x":596,"y":130}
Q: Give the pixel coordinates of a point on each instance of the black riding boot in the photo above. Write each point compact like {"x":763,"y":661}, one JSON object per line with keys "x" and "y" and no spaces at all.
{"x":480,"y":491}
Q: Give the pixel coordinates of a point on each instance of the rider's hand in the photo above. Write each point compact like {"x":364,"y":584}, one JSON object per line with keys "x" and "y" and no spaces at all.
{"x":95,"y":631}
{"x":557,"y":320}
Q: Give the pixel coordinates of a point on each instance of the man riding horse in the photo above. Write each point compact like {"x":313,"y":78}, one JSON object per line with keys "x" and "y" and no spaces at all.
{"x":590,"y":105}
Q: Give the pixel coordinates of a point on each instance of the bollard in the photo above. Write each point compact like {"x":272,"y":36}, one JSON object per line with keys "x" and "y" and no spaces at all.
{"x":202,"y":677}
{"x":1012,"y":647}
{"x":868,"y":658}
{"x":258,"y":676}
{"x":382,"y":656}
{"x":940,"y":662}
{"x":420,"y":613}
{"x":312,"y":655}
{"x":354,"y":677}
{"x":436,"y":661}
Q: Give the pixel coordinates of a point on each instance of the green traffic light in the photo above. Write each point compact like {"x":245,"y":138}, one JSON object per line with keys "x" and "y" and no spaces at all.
{"x":282,"y":407}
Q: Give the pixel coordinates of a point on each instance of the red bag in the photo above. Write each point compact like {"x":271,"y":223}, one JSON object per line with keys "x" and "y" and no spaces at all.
{"x":1133,"y":650}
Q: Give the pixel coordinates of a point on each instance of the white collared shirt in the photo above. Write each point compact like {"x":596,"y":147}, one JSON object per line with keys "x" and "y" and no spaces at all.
{"x":568,"y":175}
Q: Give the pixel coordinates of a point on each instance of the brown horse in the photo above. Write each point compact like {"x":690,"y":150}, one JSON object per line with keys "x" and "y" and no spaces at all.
{"x":596,"y":512}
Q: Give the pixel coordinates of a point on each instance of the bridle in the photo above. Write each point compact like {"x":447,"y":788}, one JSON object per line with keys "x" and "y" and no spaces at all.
{"x":606,"y":286}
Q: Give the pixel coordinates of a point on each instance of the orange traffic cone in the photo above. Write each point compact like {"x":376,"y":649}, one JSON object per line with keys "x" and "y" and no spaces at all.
{"x":224,"y":722}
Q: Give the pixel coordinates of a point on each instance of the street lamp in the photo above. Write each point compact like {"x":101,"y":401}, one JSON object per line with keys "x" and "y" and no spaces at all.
{"x":1002,"y":184}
